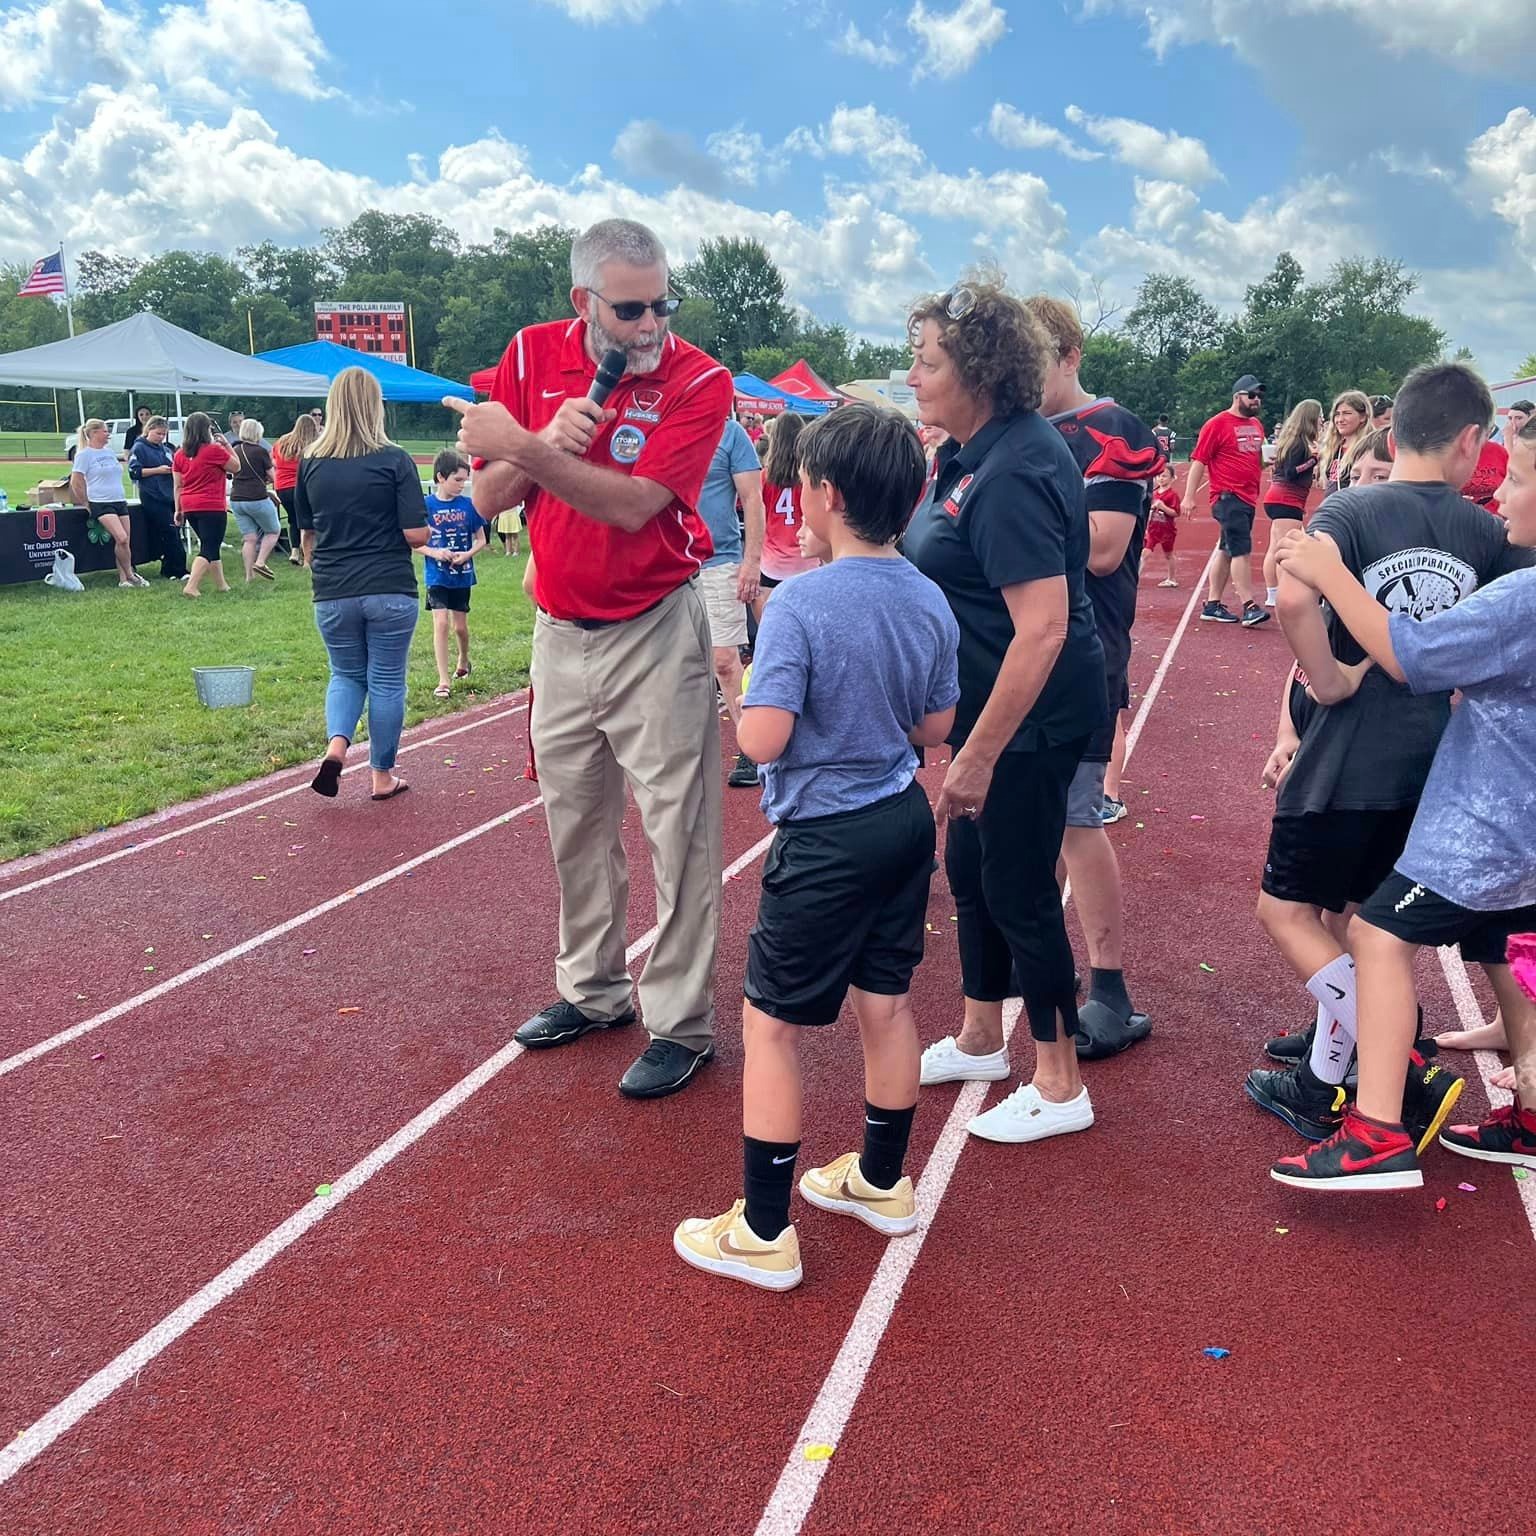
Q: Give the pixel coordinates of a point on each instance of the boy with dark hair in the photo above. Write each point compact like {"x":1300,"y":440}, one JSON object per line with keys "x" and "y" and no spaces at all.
{"x":1467,"y":875}
{"x":458,"y":534}
{"x":855,"y":663}
{"x":1348,"y":798}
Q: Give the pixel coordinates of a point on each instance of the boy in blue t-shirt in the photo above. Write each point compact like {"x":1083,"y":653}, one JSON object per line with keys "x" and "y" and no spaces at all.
{"x":855,"y":663}
{"x":1467,"y":875}
{"x":458,"y":534}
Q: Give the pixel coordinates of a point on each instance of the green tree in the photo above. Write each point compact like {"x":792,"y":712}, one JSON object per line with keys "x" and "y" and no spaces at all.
{"x":765,"y":362}
{"x":739,"y":278}
{"x":1171,"y":318}
{"x":877,"y":360}
{"x":1528,"y":367}
{"x":698,"y":321}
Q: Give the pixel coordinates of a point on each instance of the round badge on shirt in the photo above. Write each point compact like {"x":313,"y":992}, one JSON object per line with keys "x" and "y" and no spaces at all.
{"x":626,"y":443}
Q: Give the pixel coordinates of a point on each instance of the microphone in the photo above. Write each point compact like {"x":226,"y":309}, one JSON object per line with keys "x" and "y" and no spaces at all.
{"x":609,"y":372}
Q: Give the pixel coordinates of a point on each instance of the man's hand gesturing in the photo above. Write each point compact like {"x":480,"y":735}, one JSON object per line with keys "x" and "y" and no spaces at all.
{"x":487,"y":430}
{"x":574,"y":425}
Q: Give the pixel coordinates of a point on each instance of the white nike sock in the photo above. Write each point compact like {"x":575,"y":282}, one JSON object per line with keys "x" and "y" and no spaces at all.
{"x":1272,"y":593}
{"x":1334,"y":1043}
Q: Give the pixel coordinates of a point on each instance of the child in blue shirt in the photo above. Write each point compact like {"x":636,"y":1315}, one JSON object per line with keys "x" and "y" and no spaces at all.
{"x":855,"y":663}
{"x":458,"y":534}
{"x":1467,"y":875}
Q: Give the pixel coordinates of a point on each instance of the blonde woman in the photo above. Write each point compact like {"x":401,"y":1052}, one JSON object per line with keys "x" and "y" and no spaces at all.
{"x":360,"y":511}
{"x":251,"y":500}
{"x":1351,"y":416}
{"x":286,"y":453}
{"x":96,"y":483}
{"x":1291,"y":476}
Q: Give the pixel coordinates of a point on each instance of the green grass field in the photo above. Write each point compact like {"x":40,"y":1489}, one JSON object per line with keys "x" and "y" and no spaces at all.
{"x":99,"y":719}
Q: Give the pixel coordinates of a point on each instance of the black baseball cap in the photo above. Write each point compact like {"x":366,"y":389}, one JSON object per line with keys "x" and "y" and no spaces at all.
{"x":1248,"y":385}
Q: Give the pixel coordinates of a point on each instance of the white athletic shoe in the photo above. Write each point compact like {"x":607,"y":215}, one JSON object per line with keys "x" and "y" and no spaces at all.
{"x":1025,"y":1116}
{"x":945,"y":1062}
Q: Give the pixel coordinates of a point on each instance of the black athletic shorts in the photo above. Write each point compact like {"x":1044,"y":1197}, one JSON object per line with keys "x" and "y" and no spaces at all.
{"x":1331,"y":858}
{"x":1280,"y":510}
{"x":1414,"y":914}
{"x":844,"y":903}
{"x":1235,"y":518}
{"x":455,"y":599}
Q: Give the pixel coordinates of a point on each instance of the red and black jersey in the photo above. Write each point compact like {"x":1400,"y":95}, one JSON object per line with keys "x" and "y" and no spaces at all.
{"x":1119,"y":456}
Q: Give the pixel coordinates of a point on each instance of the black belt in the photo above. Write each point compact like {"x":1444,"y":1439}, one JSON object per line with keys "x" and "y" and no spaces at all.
{"x":609,"y":623}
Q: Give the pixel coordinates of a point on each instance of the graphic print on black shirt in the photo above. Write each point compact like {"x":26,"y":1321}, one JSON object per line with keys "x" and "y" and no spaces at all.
{"x":1417,"y":549}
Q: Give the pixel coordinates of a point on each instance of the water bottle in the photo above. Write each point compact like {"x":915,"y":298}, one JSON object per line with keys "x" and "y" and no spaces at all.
{"x":5,"y":502}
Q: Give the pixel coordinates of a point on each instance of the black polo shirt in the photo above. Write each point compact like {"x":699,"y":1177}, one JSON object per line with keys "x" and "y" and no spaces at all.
{"x":1008,"y":507}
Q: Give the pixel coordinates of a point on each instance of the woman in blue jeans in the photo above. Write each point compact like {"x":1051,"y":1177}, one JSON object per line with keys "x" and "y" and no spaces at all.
{"x":359,"y":509}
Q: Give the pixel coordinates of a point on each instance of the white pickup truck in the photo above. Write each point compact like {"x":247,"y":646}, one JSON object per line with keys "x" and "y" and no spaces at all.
{"x":117,"y":430}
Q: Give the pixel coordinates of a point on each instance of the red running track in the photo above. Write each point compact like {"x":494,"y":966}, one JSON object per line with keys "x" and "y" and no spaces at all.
{"x":489,"y":1331}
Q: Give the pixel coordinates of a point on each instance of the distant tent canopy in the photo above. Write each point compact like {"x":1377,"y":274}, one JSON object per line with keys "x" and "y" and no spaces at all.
{"x":396,"y":380}
{"x":145,"y":352}
{"x":804,"y":383}
{"x":755,"y":394}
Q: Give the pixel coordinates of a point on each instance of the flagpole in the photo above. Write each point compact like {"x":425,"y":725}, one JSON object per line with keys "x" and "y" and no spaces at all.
{"x":69,"y":315}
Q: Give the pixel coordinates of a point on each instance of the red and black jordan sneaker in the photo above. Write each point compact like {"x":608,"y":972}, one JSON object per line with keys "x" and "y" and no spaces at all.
{"x":1362,"y":1154}
{"x":1508,"y":1135}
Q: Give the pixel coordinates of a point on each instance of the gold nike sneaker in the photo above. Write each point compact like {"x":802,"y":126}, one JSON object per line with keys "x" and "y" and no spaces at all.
{"x":841,"y":1187}
{"x":726,"y":1245}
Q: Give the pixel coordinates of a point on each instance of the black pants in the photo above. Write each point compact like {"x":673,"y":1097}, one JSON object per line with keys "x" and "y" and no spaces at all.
{"x":164,"y":537}
{"x":295,"y":542}
{"x":1002,"y":874}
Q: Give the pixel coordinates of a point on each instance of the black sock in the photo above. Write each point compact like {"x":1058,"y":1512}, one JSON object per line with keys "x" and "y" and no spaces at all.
{"x":769,"y":1173}
{"x":1108,"y":987}
{"x":886,"y":1132}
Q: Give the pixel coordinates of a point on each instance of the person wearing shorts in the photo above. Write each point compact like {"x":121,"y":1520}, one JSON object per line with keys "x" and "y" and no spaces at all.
{"x":729,"y":579}
{"x":96,"y":482}
{"x":855,"y":663}
{"x":199,"y":472}
{"x":250,"y":499}
{"x":1465,"y":876}
{"x":1228,"y":457}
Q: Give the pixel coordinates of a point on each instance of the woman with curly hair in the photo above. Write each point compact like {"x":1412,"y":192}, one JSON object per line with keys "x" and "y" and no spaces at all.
{"x":1006,"y":539}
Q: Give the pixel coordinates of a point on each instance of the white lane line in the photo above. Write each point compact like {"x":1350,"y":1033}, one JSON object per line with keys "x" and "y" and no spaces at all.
{"x":799,"y":1481}
{"x":1487,"y":1063}
{"x":91,"y":1393}
{"x":223,"y":958}
{"x":239,"y":810}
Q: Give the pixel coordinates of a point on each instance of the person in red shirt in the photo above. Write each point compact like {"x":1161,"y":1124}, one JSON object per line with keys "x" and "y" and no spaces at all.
{"x":782,"y":558}
{"x":1290,"y":482}
{"x":1229,"y":457}
{"x":1162,"y":523}
{"x":621,"y":651}
{"x":199,"y":480}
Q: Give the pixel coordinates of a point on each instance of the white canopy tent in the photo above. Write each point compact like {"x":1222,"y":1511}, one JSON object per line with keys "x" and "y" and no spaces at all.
{"x":145,"y":352}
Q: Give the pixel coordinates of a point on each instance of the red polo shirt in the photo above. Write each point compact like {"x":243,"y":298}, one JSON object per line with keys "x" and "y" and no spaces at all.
{"x":667,"y":429}
{"x":1231,"y":448}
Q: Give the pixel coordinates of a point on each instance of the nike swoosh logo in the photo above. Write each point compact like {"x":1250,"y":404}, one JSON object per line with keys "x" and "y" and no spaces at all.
{"x":1338,"y":992}
{"x":868,"y":1121}
{"x":551,"y":394}
{"x":788,"y":1159}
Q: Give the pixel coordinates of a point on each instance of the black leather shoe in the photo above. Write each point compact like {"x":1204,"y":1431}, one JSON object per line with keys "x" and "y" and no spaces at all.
{"x":662,"y":1068}
{"x":561,"y":1023}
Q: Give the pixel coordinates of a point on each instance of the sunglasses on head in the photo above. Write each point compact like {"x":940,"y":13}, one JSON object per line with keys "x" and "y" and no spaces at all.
{"x":957,"y":304}
{"x":632,"y":309}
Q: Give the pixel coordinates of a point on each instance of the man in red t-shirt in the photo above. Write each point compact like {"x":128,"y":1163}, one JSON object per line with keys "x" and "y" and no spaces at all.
{"x":621,"y":649}
{"x":1229,"y":456}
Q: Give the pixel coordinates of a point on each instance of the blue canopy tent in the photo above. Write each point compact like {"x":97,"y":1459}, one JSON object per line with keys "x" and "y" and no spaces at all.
{"x":397,"y":381}
{"x":755,"y":394}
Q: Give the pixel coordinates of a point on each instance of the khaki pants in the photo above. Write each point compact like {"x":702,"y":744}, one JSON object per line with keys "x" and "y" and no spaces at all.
{"x":633,"y":702}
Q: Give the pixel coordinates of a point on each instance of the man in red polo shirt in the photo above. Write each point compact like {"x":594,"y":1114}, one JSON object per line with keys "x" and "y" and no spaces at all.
{"x":621,"y":649}
{"x":1229,"y":454}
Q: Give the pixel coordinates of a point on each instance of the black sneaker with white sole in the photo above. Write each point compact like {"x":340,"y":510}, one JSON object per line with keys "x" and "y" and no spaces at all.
{"x":1290,"y":1049}
{"x":1254,"y":615}
{"x":561,"y":1023}
{"x":1311,"y":1107}
{"x":663,"y":1067}
{"x":744,"y":775}
{"x":1219,"y":613}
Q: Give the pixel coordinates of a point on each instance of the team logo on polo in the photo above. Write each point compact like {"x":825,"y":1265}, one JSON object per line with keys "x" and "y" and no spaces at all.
{"x":643,"y":405}
{"x":1419,"y":582}
{"x":952,"y":501}
{"x":625,"y":444}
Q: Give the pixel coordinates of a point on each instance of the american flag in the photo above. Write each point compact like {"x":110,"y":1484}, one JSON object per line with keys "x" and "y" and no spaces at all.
{"x":46,"y":277}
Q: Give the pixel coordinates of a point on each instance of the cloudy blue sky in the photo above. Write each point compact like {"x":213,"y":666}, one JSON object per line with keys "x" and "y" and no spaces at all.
{"x":875,"y":149}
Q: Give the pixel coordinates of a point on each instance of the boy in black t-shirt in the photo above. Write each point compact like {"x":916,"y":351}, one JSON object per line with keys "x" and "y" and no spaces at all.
{"x":1347,"y":799}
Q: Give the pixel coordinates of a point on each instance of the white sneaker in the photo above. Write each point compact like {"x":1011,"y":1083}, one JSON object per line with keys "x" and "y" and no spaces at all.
{"x":1025,"y":1116}
{"x":945,"y":1062}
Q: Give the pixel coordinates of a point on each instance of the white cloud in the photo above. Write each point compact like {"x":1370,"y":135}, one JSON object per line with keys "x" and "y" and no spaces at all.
{"x":592,"y":12}
{"x":1157,"y":151}
{"x":1013,"y":130}
{"x":269,"y":42}
{"x":60,"y":42}
{"x":863,"y":132}
{"x":952,"y":41}
{"x":742,"y":154}
{"x":1502,"y":165}
{"x":853,"y":43}
{"x":645,"y":148}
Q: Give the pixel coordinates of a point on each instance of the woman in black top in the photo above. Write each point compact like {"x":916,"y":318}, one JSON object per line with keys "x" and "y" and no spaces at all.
{"x":360,"y":510}
{"x":1290,"y":480}
{"x":1006,"y":538}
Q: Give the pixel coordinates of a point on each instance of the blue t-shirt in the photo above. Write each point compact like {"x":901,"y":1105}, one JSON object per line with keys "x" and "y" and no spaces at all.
{"x":859,"y":651}
{"x":1474,"y":837}
{"x":454,"y":525}
{"x":734,"y":455}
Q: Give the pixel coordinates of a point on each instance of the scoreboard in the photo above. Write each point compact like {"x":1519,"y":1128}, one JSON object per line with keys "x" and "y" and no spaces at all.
{"x":378,"y":329}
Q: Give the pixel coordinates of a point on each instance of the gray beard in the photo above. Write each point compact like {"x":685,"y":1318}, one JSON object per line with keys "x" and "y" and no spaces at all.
{"x":638,"y":360}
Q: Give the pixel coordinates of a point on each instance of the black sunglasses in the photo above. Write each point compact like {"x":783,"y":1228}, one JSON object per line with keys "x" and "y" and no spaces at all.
{"x":632,"y":309}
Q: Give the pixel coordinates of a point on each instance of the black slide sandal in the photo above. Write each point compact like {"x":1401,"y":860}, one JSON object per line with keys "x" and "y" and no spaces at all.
{"x":1104,"y":1033}
{"x":326,"y":781}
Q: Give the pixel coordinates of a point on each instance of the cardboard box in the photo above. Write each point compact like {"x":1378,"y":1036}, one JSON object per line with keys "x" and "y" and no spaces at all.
{"x":49,"y":492}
